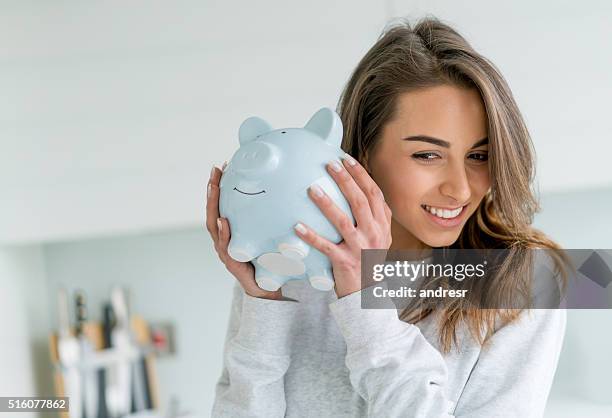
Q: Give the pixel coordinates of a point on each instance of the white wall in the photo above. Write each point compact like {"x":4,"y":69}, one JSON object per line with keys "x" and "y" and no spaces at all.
{"x":113,"y":112}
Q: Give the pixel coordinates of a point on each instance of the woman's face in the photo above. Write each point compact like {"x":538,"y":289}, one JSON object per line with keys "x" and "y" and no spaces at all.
{"x":432,"y":157}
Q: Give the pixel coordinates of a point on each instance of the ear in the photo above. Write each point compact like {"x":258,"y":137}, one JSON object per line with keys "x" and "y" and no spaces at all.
{"x":326,"y":124}
{"x":251,"y":128}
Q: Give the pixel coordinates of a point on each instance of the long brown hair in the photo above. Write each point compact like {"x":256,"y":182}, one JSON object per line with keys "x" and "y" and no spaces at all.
{"x":431,"y":53}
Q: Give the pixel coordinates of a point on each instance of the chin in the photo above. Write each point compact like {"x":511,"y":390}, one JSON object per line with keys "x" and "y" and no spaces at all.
{"x":437,"y":240}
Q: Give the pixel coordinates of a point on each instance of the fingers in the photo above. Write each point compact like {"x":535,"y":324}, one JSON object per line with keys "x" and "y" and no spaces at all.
{"x":243,"y":271}
{"x":367,"y":185}
{"x":333,"y":213}
{"x":352,"y":192}
{"x":221,"y":245}
{"x":309,"y":236}
{"x":212,"y":203}
{"x":223,"y":239}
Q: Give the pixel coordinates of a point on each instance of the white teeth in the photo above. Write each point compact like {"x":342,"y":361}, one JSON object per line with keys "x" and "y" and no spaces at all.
{"x":444,"y":213}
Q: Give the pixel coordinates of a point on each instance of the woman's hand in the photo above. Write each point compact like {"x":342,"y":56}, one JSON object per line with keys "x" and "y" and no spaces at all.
{"x":219,"y":230}
{"x":373,"y":229}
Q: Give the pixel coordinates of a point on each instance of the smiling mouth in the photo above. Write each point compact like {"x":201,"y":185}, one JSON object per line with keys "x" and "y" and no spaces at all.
{"x":250,"y":194}
{"x":445,"y":214}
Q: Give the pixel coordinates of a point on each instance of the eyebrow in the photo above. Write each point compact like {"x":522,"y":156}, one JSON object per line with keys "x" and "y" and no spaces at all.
{"x":441,"y":142}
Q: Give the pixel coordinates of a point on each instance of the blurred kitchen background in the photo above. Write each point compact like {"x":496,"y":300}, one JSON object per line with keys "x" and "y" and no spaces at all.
{"x":112,"y":114}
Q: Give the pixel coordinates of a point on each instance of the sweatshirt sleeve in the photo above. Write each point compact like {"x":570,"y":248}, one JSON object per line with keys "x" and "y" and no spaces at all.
{"x":395,"y":369}
{"x":513,"y":375}
{"x":255,"y":357}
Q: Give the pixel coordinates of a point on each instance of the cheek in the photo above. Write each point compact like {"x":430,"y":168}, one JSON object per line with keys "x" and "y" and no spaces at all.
{"x":407,"y":189}
{"x":480,"y":181}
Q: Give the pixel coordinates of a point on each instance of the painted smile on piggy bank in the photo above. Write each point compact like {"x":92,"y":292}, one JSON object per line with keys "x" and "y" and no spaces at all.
{"x":250,"y":194}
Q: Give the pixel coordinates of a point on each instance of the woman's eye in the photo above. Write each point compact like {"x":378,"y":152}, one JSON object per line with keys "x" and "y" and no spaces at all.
{"x":425,"y":156}
{"x":480,"y":156}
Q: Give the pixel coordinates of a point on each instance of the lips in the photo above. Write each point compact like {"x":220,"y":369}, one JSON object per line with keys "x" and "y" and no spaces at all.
{"x":250,"y":194}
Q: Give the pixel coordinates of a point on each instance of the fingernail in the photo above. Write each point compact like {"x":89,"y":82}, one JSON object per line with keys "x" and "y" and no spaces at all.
{"x":300,"y":228}
{"x":335,"y":165}
{"x":212,"y":171}
{"x":208,"y":189}
{"x":349,"y":159}
{"x":316,"y":189}
{"x":224,"y":165}
{"x":219,"y":224}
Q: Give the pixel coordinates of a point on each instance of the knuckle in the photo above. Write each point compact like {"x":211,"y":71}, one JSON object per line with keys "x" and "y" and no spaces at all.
{"x":326,"y":247}
{"x":378,"y":237}
{"x":373,"y":192}
{"x":344,"y":178}
{"x":223,"y":257}
{"x":344,"y":223}
{"x":360,"y":203}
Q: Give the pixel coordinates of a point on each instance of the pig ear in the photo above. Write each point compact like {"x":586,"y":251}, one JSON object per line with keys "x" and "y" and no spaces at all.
{"x":251,"y":128}
{"x":327,"y":124}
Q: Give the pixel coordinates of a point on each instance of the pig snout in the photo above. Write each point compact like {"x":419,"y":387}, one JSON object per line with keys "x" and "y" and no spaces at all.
{"x":256,"y":158}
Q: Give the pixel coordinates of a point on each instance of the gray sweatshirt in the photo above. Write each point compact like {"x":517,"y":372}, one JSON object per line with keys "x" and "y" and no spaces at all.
{"x":320,"y":356}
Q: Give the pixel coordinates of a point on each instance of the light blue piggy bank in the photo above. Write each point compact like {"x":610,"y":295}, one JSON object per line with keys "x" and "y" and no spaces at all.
{"x":264,"y":193}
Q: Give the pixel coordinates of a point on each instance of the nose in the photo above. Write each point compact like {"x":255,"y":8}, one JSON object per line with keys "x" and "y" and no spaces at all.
{"x":456,"y":185}
{"x":256,"y":158}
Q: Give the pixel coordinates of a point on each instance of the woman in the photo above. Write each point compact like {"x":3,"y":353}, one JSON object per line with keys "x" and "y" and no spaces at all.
{"x":438,"y":156}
